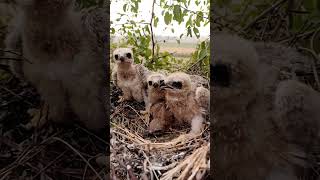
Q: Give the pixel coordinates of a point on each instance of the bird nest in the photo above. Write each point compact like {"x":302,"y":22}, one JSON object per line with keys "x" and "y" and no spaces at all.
{"x":51,"y":152}
{"x":173,"y":154}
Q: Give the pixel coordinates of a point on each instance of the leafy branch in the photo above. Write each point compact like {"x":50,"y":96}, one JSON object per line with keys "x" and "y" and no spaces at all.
{"x":140,"y":35}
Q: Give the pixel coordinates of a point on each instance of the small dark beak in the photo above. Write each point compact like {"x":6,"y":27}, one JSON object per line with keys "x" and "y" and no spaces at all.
{"x":162,"y":82}
{"x":155,"y":85}
{"x":121,"y":58}
{"x":166,"y":87}
{"x":162,"y":86}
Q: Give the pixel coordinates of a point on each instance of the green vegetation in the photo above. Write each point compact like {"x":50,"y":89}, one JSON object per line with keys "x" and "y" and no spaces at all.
{"x":157,"y":55}
{"x":295,"y":23}
{"x":271,"y":20}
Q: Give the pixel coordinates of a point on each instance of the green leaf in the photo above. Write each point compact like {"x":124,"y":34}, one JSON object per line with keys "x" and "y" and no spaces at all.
{"x":199,"y":18}
{"x":112,"y":30}
{"x":124,"y":7}
{"x":203,"y":45}
{"x":197,"y":23}
{"x":147,"y":28}
{"x":177,"y":13}
{"x":196,"y":32}
{"x":202,"y":53}
{"x":156,"y":20}
{"x":167,"y":18}
{"x":189,"y":22}
{"x":189,"y":33}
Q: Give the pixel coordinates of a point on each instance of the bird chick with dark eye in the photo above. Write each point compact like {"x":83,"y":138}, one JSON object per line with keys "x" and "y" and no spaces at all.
{"x":155,"y":101}
{"x":129,"y":77}
{"x":66,"y":61}
{"x":157,"y":110}
{"x":155,"y":93}
{"x":160,"y":115}
{"x":182,"y":101}
{"x":251,"y":125}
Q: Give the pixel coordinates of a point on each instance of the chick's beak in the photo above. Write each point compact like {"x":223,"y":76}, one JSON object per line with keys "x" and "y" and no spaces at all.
{"x":165,"y":86}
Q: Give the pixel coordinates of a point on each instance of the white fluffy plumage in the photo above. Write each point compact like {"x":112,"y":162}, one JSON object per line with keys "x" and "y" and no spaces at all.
{"x":128,"y":76}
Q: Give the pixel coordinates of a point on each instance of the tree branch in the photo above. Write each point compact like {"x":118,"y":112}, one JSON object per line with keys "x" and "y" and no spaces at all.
{"x":151,"y":29}
{"x":264,"y":13}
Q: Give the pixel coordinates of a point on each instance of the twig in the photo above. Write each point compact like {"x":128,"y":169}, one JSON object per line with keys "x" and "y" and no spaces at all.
{"x":86,"y":168}
{"x":49,"y":164}
{"x":193,"y":163}
{"x":151,"y":29}
{"x":15,"y":53}
{"x":265,"y":27}
{"x":315,"y":57}
{"x":199,"y":60}
{"x":152,"y":170}
{"x":264,"y":13}
{"x":306,"y":25}
{"x":79,"y":154}
{"x":296,"y":36}
{"x":161,"y":168}
{"x":313,"y":37}
{"x":17,"y":95}
{"x":92,"y":134}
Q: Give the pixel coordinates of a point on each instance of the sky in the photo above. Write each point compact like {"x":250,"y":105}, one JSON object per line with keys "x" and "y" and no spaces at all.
{"x":145,"y":14}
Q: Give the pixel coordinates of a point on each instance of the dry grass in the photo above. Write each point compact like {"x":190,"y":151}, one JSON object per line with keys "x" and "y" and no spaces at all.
{"x":52,"y":152}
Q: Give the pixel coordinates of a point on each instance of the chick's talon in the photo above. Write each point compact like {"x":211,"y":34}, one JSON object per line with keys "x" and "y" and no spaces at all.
{"x":121,"y":99}
{"x":147,"y":117}
{"x":144,"y":112}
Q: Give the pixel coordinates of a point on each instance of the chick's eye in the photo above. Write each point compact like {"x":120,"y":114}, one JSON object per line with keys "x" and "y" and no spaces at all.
{"x":129,"y":55}
{"x":221,"y":74}
{"x":161,"y":82}
{"x":116,"y":56}
{"x":177,"y":84}
{"x":150,"y":83}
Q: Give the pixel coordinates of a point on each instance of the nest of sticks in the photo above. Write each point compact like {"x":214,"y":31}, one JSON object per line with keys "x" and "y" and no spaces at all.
{"x":52,"y":152}
{"x":173,"y":154}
